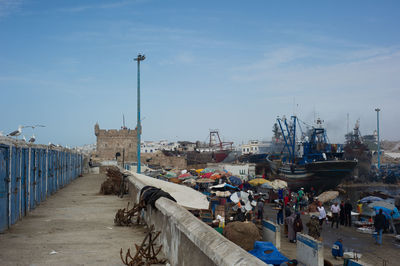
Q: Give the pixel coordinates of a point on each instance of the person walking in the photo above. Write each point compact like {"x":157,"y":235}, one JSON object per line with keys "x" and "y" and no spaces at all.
{"x":342,"y":216}
{"x":335,"y":209}
{"x":286,"y":200}
{"x":391,"y":223}
{"x":347,"y":212}
{"x":288,"y":212}
{"x":314,"y":229}
{"x":300,"y":195}
{"x":297,"y":225}
{"x":291,"y":232}
{"x":279,"y":215}
{"x":322,"y":213}
{"x":280,"y":194}
{"x":260,"y":209}
{"x":379,"y":225}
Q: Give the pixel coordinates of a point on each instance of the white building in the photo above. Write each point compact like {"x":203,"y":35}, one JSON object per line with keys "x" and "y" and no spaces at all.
{"x":154,"y":146}
{"x":256,"y":147}
{"x":241,"y":170}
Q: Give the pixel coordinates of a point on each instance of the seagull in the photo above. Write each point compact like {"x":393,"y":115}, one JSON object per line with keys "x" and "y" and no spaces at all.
{"x":33,"y":127}
{"x":23,"y":137}
{"x":32,"y":139}
{"x":16,"y":133}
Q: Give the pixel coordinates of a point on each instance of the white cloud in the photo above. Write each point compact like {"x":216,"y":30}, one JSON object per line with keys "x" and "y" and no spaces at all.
{"x":336,"y":82}
{"x":82,"y":8}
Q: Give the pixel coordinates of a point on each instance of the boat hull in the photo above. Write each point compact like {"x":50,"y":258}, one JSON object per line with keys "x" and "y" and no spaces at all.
{"x":321,"y":176}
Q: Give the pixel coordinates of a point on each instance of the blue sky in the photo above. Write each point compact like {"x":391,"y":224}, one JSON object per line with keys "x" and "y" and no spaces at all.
{"x":230,"y":65}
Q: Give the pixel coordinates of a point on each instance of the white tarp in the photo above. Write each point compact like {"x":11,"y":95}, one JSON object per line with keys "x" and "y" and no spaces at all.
{"x":328,"y":196}
{"x":395,"y":155}
{"x":277,"y":184}
{"x":185,"y":196}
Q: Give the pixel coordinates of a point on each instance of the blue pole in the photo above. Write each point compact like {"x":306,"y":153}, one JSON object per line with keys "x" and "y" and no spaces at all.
{"x":294,"y":139}
{"x":139,"y":126}
{"x":379,"y":146}
{"x":138,"y":129}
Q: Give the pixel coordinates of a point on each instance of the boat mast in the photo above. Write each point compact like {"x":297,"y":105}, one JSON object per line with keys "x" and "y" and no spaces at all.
{"x":290,"y":139}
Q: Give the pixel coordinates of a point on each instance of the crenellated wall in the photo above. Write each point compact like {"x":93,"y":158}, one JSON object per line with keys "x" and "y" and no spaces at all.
{"x":111,"y":141}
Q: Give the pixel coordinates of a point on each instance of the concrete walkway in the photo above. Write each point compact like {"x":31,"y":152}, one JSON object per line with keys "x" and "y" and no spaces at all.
{"x":77,"y":223}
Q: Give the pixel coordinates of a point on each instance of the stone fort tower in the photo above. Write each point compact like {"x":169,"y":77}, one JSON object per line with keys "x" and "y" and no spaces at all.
{"x":109,"y":142}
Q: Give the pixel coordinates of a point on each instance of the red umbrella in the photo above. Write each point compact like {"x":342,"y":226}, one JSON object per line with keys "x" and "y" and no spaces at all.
{"x":184,"y":175}
{"x":207,"y":175}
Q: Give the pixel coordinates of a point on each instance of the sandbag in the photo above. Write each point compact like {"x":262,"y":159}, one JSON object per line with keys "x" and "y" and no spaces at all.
{"x":243,"y":234}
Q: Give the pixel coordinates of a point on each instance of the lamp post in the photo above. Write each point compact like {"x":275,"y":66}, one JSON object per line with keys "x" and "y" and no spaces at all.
{"x":139,"y":126}
{"x":379,"y":146}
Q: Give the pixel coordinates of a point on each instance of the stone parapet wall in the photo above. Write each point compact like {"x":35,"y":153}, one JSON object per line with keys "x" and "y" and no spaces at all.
{"x":158,"y":158}
{"x":186,"y":240}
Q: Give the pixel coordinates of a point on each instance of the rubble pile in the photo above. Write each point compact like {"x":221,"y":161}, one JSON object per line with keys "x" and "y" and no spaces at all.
{"x":112,"y":185}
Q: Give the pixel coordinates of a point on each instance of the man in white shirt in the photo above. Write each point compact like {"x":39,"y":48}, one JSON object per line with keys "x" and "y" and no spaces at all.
{"x":335,"y":209}
{"x":322,"y":213}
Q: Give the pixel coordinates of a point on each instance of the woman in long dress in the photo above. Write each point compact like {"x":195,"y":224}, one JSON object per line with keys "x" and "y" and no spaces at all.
{"x":290,"y":223}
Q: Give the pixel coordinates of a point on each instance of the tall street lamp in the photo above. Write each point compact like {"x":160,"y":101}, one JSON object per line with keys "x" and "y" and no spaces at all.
{"x":379,"y":146}
{"x":139,"y":58}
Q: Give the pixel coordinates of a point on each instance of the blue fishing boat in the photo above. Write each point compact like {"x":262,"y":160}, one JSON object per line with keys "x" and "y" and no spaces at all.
{"x":309,"y":161}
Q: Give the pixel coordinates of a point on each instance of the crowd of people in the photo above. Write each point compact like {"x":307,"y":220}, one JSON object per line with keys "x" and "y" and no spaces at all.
{"x":289,"y":205}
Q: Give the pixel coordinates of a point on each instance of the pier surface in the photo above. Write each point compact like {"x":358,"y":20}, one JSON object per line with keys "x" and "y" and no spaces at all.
{"x":388,"y":252}
{"x":75,"y":226}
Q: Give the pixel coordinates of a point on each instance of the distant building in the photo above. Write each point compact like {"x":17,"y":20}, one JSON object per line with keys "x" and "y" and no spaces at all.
{"x":256,"y":147}
{"x":153,"y":146}
{"x":371,"y":141}
{"x":113,"y":141}
{"x":243,"y":170}
{"x":186,"y":146}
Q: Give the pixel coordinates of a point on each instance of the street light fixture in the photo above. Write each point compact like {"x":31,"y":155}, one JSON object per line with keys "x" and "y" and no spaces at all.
{"x":139,"y":58}
{"x":379,"y":147}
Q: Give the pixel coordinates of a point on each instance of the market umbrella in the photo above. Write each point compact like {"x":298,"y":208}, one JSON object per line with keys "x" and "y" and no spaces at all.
{"x":222,"y":194}
{"x":215,"y":176}
{"x":193,"y":172}
{"x":224,"y":186}
{"x":205,"y":180}
{"x":175,"y":180}
{"x":257,"y":181}
{"x":207,"y":175}
{"x":190,"y":181}
{"x":199,"y":171}
{"x":370,"y":199}
{"x":235,"y":180}
{"x":387,"y":211}
{"x":208,"y":170}
{"x":170,"y":174}
{"x":267,"y":185}
{"x":183,"y":176}
{"x":383,"y":204}
{"x":244,"y":197}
